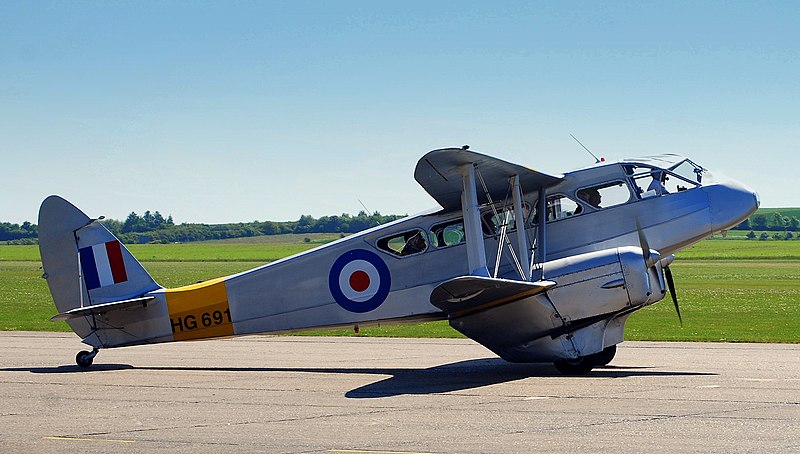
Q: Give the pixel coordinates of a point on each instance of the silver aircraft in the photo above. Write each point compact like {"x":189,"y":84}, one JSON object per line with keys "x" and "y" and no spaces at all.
{"x":534,"y":266}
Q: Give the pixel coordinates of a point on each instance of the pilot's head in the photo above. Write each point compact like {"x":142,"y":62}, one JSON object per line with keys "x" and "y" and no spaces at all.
{"x":590,"y":196}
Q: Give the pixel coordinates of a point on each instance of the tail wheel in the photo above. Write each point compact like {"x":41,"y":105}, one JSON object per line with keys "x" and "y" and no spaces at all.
{"x":84,"y":359}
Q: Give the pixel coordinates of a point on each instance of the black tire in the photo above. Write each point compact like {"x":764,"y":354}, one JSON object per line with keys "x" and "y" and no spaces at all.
{"x":84,"y":359}
{"x":579,"y":366}
{"x":603,"y":358}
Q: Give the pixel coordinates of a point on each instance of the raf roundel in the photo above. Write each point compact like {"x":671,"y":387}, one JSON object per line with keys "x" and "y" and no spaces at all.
{"x":359,"y":281}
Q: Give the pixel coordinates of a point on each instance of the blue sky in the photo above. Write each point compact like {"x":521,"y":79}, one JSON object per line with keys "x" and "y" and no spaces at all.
{"x":241,"y":111}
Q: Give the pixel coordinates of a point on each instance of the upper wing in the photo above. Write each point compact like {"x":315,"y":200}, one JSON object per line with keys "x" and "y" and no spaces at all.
{"x":440,"y":172}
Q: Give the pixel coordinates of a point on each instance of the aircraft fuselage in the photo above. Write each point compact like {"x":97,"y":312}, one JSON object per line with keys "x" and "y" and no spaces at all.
{"x":570,"y":300}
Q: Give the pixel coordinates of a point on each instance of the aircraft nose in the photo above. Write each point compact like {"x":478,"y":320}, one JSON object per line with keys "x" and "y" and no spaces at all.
{"x":731,"y":202}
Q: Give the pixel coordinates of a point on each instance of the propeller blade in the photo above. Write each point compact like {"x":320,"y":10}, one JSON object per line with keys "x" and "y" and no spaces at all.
{"x":671,"y":285}
{"x":643,"y":243}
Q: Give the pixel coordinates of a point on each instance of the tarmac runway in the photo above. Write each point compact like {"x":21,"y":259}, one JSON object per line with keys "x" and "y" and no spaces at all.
{"x":367,"y":395}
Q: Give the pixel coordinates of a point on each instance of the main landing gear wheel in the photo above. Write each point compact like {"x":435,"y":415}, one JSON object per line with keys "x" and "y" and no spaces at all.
{"x":577,"y":366}
{"x":606,"y":356}
{"x":84,"y":359}
{"x":585,"y":364}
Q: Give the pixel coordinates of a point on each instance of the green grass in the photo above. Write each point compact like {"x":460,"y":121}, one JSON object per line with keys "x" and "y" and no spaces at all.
{"x":28,"y":253}
{"x":255,"y":249}
{"x":289,"y":238}
{"x":733,"y":290}
{"x":216,"y":252}
{"x":742,"y":250}
{"x":726,"y":300}
{"x":26,"y":305}
{"x":25,"y":302}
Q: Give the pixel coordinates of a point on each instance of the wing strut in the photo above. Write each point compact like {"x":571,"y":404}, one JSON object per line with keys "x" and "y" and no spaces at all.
{"x":476,"y":254}
{"x":541,"y":233}
{"x":522,"y":239}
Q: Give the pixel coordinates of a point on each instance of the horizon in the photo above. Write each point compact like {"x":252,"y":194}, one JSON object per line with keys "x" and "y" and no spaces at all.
{"x":316,"y":217}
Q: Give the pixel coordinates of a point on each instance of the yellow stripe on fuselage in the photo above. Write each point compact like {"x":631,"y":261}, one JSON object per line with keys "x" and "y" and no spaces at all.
{"x":199,"y":311}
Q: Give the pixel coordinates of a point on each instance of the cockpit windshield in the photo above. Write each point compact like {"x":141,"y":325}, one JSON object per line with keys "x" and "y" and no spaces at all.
{"x":689,"y":170}
{"x":663,"y":175}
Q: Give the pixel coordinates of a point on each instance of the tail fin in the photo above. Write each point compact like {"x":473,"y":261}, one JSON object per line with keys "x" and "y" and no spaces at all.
{"x":85,"y":264}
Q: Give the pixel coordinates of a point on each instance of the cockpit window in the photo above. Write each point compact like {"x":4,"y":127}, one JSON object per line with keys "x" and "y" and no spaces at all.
{"x":652,"y":182}
{"x":559,"y":207}
{"x":406,"y":243}
{"x":605,"y":195}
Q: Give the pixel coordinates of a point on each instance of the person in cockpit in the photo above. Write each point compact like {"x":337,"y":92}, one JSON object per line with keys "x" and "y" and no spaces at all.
{"x":657,"y":185}
{"x":590,"y":196}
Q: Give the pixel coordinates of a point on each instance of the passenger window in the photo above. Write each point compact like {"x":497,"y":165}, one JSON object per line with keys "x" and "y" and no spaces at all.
{"x":448,"y":234}
{"x":406,"y":243}
{"x":494,"y":223}
{"x":606,"y":195}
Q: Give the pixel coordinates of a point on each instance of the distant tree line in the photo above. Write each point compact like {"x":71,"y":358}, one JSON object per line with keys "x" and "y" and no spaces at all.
{"x":26,"y":233}
{"x":154,"y":228}
{"x":772,"y":222}
{"x":751,"y":235}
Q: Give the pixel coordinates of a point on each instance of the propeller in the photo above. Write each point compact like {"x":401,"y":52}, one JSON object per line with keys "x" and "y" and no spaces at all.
{"x":671,"y":285}
{"x":644,"y":245}
{"x":650,"y":261}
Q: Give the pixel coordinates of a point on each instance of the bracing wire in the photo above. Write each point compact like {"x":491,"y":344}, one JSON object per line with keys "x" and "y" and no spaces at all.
{"x":503,"y":237}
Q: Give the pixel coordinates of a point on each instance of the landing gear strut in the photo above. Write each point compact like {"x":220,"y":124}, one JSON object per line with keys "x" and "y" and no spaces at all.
{"x":84,"y":359}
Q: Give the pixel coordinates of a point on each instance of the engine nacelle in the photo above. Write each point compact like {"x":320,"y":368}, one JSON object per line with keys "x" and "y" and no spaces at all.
{"x":583,"y":313}
{"x":604,"y":282}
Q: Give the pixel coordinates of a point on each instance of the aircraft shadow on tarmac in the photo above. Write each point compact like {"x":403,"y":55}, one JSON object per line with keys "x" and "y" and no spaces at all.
{"x":458,"y":376}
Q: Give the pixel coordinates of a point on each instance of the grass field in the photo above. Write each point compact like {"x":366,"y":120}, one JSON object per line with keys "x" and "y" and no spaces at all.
{"x":732,"y":290}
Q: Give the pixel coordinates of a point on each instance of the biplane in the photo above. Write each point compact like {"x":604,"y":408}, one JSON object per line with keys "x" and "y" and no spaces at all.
{"x":536,"y":267}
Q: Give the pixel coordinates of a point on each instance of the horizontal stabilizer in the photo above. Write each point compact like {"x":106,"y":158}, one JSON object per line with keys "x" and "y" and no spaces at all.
{"x":440,"y":173}
{"x":96,"y":309}
{"x":466,"y":295}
